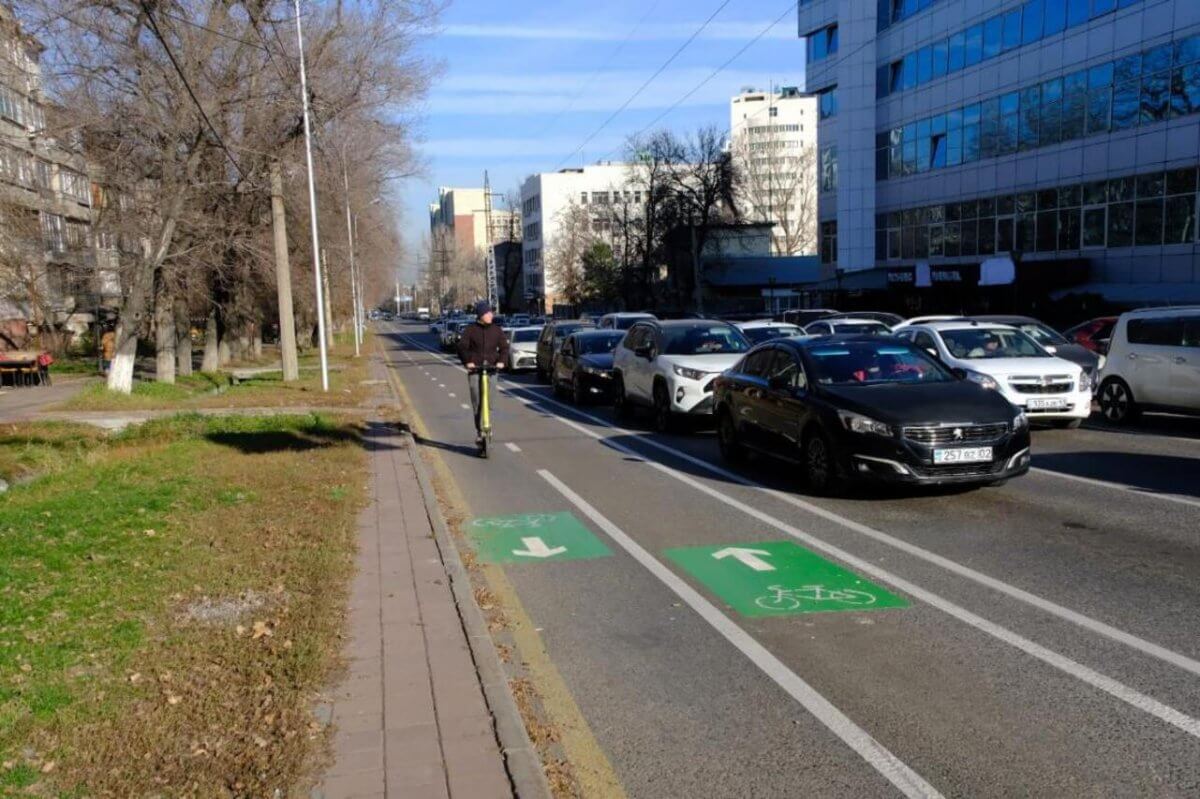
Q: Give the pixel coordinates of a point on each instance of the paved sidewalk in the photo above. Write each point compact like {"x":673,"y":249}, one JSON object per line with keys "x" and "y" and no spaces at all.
{"x":25,"y":404}
{"x":411,"y":719}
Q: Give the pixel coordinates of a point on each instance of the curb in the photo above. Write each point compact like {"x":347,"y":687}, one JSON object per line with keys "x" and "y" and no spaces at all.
{"x":521,"y":759}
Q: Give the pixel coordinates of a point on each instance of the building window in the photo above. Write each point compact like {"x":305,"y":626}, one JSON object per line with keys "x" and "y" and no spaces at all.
{"x":829,"y":168}
{"x":1000,"y":34}
{"x":583,"y":197}
{"x":822,"y":43}
{"x":827,"y":102}
{"x":829,"y":242}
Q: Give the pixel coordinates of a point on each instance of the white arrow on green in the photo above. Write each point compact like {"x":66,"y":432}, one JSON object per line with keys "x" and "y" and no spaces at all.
{"x":748,"y":557}
{"x":536,"y":548}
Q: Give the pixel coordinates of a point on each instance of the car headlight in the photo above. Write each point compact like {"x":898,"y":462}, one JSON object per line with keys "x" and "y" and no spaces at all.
{"x":1020,"y":421}
{"x":1085,"y":381}
{"x":856,"y":423}
{"x":592,"y":370}
{"x":690,"y":374}
{"x":986,"y":381}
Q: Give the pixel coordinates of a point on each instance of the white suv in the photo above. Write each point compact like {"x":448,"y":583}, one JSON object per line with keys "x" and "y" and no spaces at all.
{"x":1153,"y":364}
{"x":669,"y":366}
{"x":1003,"y":358}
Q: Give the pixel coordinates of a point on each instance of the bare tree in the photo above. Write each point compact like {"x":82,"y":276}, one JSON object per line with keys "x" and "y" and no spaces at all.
{"x":564,"y":256}
{"x":778,"y":184}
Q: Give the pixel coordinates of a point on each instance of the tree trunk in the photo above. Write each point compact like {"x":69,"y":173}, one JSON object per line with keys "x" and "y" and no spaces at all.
{"x":129,"y":319}
{"x":328,"y":305}
{"x":212,"y":356}
{"x":283,"y":280}
{"x":224,"y":352}
{"x":183,"y":340}
{"x":256,"y":343}
{"x":164,"y":333}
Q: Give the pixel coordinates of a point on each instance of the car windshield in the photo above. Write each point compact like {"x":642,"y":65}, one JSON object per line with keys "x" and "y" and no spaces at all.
{"x":599,"y":344}
{"x":524,"y":336}
{"x":758,"y":335}
{"x":562,"y":331}
{"x":861,"y":328}
{"x":703,"y":340}
{"x":990,"y":342}
{"x":1042,"y":334}
{"x":874,"y":363}
{"x":626,"y":322}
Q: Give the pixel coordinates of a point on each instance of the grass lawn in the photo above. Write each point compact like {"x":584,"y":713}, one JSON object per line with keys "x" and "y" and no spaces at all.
{"x":170,"y":602}
{"x":346,"y":389}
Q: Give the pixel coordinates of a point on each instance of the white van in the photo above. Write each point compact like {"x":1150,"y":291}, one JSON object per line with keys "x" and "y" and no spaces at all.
{"x":1153,"y":364}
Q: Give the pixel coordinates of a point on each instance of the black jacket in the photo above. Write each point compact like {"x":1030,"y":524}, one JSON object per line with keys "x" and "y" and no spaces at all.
{"x":483,"y":345}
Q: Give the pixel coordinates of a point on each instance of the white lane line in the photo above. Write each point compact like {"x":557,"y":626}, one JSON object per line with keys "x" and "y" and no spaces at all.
{"x":1119,"y":486}
{"x":465,"y":406}
{"x":453,"y":395}
{"x":441,"y":385}
{"x":512,"y":446}
{"x":1077,"y":670}
{"x":1142,"y":645}
{"x":907,"y":781}
{"x":1086,"y":622}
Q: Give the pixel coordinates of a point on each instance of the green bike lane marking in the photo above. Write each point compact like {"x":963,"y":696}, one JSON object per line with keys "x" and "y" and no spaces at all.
{"x":533,"y":538}
{"x":775,"y":578}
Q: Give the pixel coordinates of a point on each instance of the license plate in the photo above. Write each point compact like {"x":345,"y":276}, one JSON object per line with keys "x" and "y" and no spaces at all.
{"x":1047,"y":404}
{"x":962,"y":455}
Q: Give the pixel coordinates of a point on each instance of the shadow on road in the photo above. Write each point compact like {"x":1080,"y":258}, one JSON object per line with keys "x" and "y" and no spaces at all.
{"x":1155,"y":474}
{"x":1185,"y":427}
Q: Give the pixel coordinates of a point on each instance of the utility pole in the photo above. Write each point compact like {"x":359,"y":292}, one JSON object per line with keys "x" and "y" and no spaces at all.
{"x":312,"y":206}
{"x":328,"y":299}
{"x":489,"y":262}
{"x":353,"y":272}
{"x":283,"y":279}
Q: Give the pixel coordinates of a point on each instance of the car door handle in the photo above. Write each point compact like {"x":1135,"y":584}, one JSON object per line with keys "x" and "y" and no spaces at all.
{"x":1133,"y":356}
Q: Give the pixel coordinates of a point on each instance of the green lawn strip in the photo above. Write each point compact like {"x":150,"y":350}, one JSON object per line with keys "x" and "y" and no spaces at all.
{"x":102,"y":672}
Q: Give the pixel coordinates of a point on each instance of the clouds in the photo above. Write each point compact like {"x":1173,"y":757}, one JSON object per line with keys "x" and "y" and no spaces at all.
{"x":549,"y":93}
{"x":716,"y":31}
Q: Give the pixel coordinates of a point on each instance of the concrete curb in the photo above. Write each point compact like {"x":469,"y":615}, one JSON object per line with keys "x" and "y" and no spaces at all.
{"x":521,"y":759}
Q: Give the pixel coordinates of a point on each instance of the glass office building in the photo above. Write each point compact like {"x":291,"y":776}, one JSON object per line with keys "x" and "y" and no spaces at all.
{"x":1044,"y":133}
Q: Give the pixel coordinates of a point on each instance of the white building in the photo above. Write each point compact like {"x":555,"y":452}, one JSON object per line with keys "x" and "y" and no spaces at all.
{"x":545,"y":197}
{"x":773,"y":138}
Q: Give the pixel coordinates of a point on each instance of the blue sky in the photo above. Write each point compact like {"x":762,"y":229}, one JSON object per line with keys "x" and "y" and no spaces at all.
{"x":525,"y":82}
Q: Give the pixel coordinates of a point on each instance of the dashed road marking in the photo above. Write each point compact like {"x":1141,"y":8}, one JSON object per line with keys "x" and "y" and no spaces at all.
{"x":511,"y":446}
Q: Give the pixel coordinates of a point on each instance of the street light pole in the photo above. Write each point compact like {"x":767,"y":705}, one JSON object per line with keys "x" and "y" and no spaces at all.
{"x":312,"y":207}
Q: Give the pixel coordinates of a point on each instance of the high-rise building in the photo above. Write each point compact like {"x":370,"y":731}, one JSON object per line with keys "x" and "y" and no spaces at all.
{"x":1053,"y":142}
{"x":773,"y":139}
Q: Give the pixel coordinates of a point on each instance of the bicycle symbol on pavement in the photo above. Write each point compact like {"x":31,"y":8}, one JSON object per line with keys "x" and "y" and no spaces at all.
{"x":530,"y":521}
{"x":783,"y":598}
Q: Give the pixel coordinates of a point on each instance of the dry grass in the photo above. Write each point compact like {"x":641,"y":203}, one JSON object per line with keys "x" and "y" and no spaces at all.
{"x":170,"y":603}
{"x":347,"y":388}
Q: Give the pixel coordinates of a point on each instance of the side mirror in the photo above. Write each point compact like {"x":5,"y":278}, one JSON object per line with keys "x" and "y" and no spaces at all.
{"x":644,"y":351}
{"x":933,"y":351}
{"x":1050,"y":348}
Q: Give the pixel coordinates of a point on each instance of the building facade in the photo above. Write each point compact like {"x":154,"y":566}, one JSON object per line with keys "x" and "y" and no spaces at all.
{"x":962,"y":138}
{"x":773,"y":139}
{"x":463,"y":213}
{"x":51,"y":269}
{"x":550,"y":200}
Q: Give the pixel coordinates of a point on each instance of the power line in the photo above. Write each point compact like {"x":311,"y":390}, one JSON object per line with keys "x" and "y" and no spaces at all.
{"x":592,"y":78}
{"x":213,"y":31}
{"x":648,"y":81}
{"x":179,"y":71}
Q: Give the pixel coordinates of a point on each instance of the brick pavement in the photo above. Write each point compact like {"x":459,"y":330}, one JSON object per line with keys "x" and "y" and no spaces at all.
{"x":410,"y":719}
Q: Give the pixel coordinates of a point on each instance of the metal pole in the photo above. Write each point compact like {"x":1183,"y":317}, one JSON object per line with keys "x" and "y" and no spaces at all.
{"x":312,"y":207}
{"x":350,"y":238}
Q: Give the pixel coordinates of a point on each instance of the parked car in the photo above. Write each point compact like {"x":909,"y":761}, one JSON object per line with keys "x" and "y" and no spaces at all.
{"x":847,"y":326}
{"x":1051,"y":340}
{"x":583,"y":368}
{"x":761,"y":330}
{"x":889,"y":319}
{"x":550,"y":340}
{"x":802,"y":316}
{"x":867,"y":408}
{"x":669,"y":366}
{"x":1004,"y":359}
{"x":1153,"y":364}
{"x":519,"y":320}
{"x":622,"y":320}
{"x":450,"y":334}
{"x":522,"y":347}
{"x":924,"y":320}
{"x":1093,"y":334}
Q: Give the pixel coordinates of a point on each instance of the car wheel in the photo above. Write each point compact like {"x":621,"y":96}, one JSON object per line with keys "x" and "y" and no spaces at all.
{"x":1116,"y":401}
{"x":557,"y":387}
{"x":541,"y":375}
{"x":621,"y":400}
{"x":820,"y":467}
{"x":578,"y":392}
{"x":664,"y":421}
{"x":727,"y":439}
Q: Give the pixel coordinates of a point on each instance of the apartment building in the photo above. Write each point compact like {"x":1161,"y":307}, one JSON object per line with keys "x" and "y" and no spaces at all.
{"x":773,"y":140}
{"x":462,"y":212}
{"x":49,"y":271}
{"x":988,"y":141}
{"x":546,"y":199}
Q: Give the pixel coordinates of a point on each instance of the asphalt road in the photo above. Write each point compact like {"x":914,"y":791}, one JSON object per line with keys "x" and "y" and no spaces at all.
{"x":1036,"y":639}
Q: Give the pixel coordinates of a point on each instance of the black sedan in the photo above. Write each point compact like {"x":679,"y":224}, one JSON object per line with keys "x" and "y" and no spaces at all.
{"x":583,"y":366}
{"x":867,"y":408}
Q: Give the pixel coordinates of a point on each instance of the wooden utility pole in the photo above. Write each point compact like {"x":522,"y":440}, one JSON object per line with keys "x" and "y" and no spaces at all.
{"x":283,"y":280}
{"x":328,"y":301}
